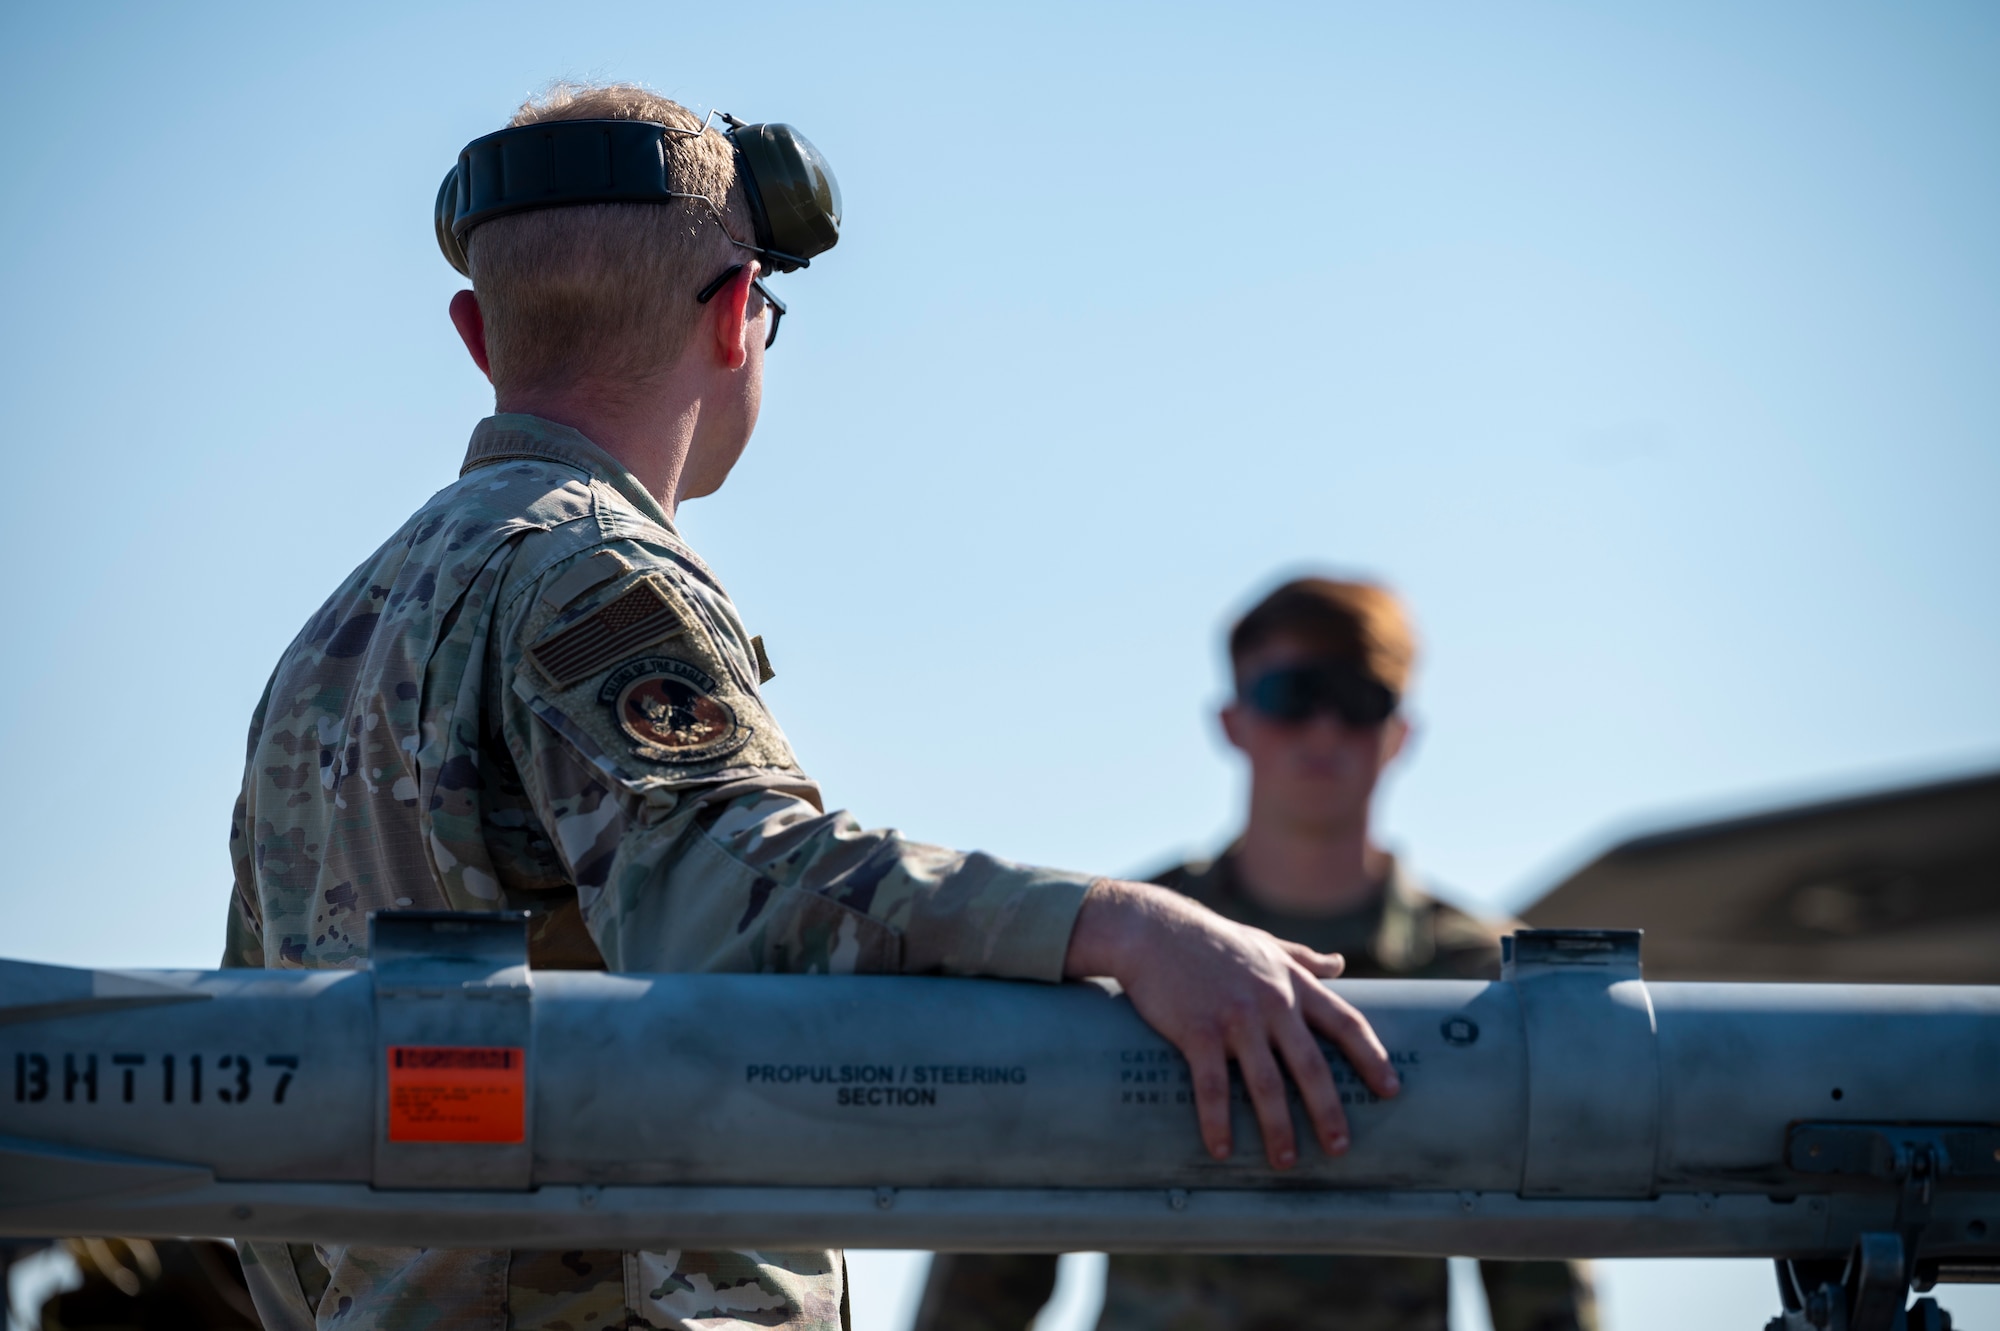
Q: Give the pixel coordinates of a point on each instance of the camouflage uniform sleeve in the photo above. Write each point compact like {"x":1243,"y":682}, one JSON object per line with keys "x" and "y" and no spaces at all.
{"x":243,"y":944}
{"x":695,"y":842}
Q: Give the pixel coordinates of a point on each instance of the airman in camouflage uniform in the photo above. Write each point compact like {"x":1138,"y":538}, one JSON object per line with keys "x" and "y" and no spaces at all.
{"x":535,"y":697}
{"x":1303,"y":781}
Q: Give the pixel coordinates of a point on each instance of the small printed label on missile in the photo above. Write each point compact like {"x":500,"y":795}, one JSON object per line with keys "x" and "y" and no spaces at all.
{"x":448,"y":1093}
{"x":1160,"y":1077}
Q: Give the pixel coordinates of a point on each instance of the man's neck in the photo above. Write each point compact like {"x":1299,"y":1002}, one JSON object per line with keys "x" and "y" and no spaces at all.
{"x":1309,"y":870}
{"x":650,"y":434}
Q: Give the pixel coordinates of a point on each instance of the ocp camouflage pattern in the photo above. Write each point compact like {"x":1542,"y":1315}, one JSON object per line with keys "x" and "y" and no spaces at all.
{"x":535,"y":697}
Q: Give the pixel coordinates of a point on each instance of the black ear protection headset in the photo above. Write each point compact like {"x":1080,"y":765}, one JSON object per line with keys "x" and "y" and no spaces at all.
{"x":794,"y":199}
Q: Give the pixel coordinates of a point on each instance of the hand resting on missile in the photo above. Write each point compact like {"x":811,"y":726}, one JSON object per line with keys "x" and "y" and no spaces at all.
{"x":1219,"y":991}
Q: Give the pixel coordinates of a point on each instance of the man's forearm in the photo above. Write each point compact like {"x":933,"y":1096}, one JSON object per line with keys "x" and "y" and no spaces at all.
{"x":763,"y":880}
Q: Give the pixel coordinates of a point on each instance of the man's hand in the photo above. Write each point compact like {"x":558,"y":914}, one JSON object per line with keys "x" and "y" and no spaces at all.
{"x":1221,"y":991}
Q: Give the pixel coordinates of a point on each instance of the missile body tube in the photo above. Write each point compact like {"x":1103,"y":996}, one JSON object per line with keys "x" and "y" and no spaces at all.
{"x":450,"y":1096}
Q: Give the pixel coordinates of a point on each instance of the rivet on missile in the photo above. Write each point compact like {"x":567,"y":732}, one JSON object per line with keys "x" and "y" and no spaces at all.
{"x":1460,"y":1031}
{"x":885,"y":1198}
{"x":1177,"y":1199}
{"x":1466,"y":1201}
{"x":586,"y":1197}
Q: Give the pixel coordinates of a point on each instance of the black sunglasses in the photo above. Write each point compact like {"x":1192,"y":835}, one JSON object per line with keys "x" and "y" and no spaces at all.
{"x":707,"y":293}
{"x":1295,"y":693}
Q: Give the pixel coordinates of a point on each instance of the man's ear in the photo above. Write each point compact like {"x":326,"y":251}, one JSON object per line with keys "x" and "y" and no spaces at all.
{"x":1396,"y":735}
{"x":1231,"y":717}
{"x":471,"y":326}
{"x":726,"y":322}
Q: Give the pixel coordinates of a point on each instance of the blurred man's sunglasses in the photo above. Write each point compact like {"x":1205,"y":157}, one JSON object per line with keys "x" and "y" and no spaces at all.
{"x":1294,"y":694}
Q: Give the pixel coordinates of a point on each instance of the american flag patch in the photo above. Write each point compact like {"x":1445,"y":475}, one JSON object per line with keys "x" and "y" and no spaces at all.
{"x":640,"y":617}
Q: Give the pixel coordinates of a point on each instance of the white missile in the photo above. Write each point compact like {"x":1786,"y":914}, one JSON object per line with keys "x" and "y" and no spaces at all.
{"x":448,"y":1095}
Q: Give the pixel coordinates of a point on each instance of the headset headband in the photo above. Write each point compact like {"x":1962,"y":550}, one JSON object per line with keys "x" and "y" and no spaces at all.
{"x":794,"y":199}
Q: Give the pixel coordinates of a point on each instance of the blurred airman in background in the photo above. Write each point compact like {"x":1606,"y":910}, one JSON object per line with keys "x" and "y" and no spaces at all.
{"x":1321,"y":668}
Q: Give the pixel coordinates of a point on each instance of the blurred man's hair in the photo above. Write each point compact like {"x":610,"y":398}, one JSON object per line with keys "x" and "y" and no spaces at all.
{"x":1361,"y":623}
{"x":604,"y":292}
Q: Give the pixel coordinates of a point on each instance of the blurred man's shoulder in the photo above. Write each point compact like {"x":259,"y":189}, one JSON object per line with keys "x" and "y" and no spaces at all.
{"x":1460,"y":943}
{"x":1207,"y":879}
{"x":1457,"y":927}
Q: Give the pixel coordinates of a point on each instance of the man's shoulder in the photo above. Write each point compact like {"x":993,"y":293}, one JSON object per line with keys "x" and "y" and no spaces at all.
{"x":1206,"y":879}
{"x":1460,"y":928}
{"x":1462,"y":944}
{"x":1186,"y":871}
{"x":547,"y":502}
{"x":629,"y":648}
{"x":517,"y":494}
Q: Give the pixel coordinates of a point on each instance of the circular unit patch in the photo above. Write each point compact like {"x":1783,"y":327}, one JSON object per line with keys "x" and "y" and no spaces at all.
{"x":669,"y":710}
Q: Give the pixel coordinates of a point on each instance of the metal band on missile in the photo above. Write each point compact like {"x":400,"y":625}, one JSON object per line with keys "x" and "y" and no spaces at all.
{"x":451,"y":1096}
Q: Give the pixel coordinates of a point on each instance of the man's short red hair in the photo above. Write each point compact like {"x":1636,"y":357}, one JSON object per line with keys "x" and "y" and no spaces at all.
{"x":1361,"y":623}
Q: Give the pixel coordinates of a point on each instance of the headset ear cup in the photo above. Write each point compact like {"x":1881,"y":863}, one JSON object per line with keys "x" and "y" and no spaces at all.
{"x":446,"y":214}
{"x":792,"y":190}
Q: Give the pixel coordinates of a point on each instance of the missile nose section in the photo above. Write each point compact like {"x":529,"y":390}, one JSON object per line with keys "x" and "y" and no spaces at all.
{"x":37,"y":1173}
{"x":30,"y":991}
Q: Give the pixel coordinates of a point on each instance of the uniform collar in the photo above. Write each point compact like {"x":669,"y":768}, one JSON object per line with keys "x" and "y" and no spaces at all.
{"x":512,"y":434}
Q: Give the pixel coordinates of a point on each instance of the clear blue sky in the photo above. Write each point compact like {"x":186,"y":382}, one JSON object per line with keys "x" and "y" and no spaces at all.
{"x":1650,"y":350}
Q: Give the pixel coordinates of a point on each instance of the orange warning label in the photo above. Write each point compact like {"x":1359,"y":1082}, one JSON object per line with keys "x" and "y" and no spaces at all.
{"x":445,"y":1093}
